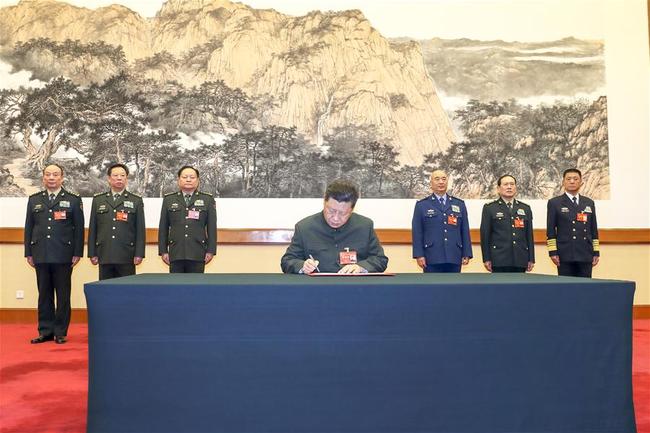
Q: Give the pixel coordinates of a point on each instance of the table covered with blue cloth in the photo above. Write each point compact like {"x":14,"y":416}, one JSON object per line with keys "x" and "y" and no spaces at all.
{"x":416,"y":353}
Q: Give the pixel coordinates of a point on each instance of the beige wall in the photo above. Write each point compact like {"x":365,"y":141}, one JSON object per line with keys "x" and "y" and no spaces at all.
{"x":625,"y":262}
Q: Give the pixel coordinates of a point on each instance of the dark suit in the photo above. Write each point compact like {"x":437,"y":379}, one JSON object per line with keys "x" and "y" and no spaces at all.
{"x":507,"y":236}
{"x":314,"y":236}
{"x":54,"y":233}
{"x":116,"y":233}
{"x":572,"y":234}
{"x":187,"y":232}
{"x":441,"y":233}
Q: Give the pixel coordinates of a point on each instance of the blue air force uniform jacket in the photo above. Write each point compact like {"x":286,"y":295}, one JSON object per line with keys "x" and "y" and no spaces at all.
{"x":313,"y":236}
{"x":54,"y":232}
{"x":572,"y":231}
{"x":187,"y":232}
{"x":507,"y":235}
{"x":116,"y":232}
{"x":441,"y":233}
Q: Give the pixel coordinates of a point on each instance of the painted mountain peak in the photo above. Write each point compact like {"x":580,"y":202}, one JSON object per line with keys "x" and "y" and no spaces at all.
{"x":321,"y":72}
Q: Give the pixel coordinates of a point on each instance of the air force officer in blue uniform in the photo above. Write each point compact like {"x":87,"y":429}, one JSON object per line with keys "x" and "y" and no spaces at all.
{"x":440,"y":229}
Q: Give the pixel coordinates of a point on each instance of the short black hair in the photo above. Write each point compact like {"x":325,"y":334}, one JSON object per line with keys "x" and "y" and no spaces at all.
{"x":54,"y":164}
{"x":188,"y":166}
{"x":571,"y":170}
{"x":506,"y":175}
{"x":342,"y":190}
{"x":108,"y":172}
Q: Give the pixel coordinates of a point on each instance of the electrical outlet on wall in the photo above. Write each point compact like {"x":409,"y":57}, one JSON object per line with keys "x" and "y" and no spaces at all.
{"x":20,"y":294}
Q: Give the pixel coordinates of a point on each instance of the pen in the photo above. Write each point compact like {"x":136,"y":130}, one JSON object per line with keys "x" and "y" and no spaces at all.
{"x":312,"y":257}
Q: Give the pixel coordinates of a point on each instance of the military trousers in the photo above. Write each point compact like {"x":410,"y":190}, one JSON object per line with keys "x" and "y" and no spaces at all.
{"x":574,"y":269}
{"x":186,"y":267}
{"x":53,"y":279}
{"x":115,"y":270}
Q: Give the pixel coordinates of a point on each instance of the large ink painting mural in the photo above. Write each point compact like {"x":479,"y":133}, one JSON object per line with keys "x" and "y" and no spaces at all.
{"x":268,"y":104}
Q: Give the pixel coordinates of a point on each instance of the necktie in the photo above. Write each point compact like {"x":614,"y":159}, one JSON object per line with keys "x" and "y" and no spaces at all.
{"x":442,"y":200}
{"x":575,"y":201}
{"x":52,"y":197}
{"x":510,"y":206}
{"x":187,"y":199}
{"x":116,"y":197}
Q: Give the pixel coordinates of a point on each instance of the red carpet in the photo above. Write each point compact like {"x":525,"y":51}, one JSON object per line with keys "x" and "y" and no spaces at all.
{"x":43,"y":387}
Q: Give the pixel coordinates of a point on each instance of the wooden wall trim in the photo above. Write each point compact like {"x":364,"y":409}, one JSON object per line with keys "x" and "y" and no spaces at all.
{"x":30,"y":315}
{"x":14,"y":235}
{"x":80,"y":315}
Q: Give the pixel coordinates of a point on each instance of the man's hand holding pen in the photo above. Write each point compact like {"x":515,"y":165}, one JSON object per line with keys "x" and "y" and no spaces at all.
{"x":310,"y":265}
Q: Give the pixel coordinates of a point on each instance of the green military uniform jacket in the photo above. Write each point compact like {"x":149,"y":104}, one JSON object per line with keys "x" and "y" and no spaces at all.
{"x":507,"y":235}
{"x":187,"y":232}
{"x":116,"y":231}
{"x":54,"y":232}
{"x":313,"y":236}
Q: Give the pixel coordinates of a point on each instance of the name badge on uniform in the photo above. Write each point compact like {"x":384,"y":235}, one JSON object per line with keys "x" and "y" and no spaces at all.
{"x":193,"y":214}
{"x":452,"y":220}
{"x":64,"y":203}
{"x":564,"y":210}
{"x":499,"y":215}
{"x":519,"y":223}
{"x":455,"y":208}
{"x":521,"y":212}
{"x":128,"y":204}
{"x":121,"y":216}
{"x":59,"y":215}
{"x":588,"y":209}
{"x":582,"y":217}
{"x":199,"y":203}
{"x":102,"y":207}
{"x":348,"y":257}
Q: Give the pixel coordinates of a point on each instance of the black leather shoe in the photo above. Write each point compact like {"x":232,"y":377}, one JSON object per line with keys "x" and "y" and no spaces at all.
{"x":60,"y":339}
{"x":42,"y":339}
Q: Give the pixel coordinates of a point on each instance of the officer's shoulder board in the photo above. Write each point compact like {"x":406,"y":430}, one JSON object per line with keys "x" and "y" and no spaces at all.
{"x":74,"y":194}
{"x":100,"y":193}
{"x":205,"y":193}
{"x":451,"y":197}
{"x":424,"y":199}
{"x":37,"y":193}
{"x":521,"y":203}
{"x":170,"y":194}
{"x":493,"y":202}
{"x":134,"y":195}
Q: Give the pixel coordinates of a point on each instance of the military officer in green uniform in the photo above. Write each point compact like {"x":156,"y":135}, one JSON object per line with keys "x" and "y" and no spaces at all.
{"x":116,"y":234}
{"x":336,"y":239}
{"x":187,"y":234}
{"x":507,"y":231}
{"x":54,"y":241}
